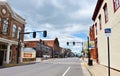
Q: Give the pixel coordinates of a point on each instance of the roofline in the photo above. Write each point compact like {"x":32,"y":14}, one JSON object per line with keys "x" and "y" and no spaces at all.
{"x":33,"y":39}
{"x":14,"y":14}
{"x":97,"y":8}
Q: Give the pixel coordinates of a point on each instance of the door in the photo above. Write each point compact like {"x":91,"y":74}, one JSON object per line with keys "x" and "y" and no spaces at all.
{"x":1,"y":57}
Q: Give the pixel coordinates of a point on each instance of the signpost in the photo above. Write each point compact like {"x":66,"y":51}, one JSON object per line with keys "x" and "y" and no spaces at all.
{"x":107,"y":32}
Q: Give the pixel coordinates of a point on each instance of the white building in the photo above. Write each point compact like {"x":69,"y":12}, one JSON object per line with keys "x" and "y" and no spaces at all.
{"x":107,"y":15}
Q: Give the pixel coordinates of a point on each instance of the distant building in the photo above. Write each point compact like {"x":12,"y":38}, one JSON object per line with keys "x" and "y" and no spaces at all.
{"x":107,"y":15}
{"x":10,"y":25}
{"x":55,"y":45}
{"x":44,"y":47}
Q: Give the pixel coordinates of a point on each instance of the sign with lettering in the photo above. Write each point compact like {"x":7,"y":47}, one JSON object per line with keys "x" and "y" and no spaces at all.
{"x":107,"y":31}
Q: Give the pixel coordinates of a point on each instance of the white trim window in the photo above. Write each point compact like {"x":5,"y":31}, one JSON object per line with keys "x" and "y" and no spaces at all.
{"x":106,"y":13}
{"x":0,"y":22}
{"x":14,"y":31}
{"x":96,"y":28}
{"x":0,"y":19}
{"x":116,"y":4}
{"x":100,"y":22}
{"x":5,"y":26}
{"x":19,"y":30}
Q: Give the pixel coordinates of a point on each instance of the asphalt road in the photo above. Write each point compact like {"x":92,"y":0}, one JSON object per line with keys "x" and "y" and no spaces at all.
{"x":52,"y":67}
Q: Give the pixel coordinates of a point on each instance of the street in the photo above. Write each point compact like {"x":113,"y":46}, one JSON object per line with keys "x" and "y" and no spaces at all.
{"x":51,"y":67}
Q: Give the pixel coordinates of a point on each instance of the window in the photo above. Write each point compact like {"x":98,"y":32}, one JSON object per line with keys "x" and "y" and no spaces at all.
{"x":19,"y":30}
{"x":105,"y":13}
{"x":0,"y":19}
{"x":5,"y":26}
{"x":96,"y":27}
{"x":0,"y":23}
{"x":14,"y":31}
{"x":100,"y":22}
{"x":116,"y":4}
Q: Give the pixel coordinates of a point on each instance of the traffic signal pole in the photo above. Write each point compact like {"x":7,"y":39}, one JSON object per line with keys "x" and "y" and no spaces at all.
{"x":19,"y":43}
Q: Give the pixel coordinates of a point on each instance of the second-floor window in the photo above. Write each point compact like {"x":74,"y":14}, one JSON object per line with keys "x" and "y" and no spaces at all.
{"x":100,"y":22}
{"x":14,"y":31}
{"x":96,"y":28}
{"x":105,"y":13}
{"x":0,"y":23}
{"x":116,"y":4}
{"x":19,"y":30}
{"x":5,"y":26}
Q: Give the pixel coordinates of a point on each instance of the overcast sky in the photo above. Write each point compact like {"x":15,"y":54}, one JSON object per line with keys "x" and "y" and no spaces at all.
{"x":68,"y":20}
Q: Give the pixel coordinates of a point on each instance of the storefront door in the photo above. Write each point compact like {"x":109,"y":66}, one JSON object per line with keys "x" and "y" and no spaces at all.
{"x":1,"y":57}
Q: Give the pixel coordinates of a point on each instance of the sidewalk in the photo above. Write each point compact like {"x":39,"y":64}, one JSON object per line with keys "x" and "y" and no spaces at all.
{"x":100,"y":70}
{"x":13,"y":65}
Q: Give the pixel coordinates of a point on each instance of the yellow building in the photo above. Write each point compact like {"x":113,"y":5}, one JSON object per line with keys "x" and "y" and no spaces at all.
{"x":107,"y":15}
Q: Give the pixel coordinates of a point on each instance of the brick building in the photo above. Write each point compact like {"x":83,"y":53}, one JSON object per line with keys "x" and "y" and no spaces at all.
{"x":107,"y":15}
{"x":55,"y":45}
{"x":93,"y":51}
{"x":45,"y":47}
{"x":10,"y":25}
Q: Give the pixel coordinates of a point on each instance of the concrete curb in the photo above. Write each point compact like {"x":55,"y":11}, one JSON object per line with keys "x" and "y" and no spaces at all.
{"x":85,"y":69}
{"x":14,"y":65}
{"x":91,"y":73}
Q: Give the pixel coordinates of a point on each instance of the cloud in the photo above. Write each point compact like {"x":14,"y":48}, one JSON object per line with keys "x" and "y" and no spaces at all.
{"x":64,"y":19}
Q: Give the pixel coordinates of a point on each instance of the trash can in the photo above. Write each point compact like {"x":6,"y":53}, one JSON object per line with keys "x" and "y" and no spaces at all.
{"x":90,"y":62}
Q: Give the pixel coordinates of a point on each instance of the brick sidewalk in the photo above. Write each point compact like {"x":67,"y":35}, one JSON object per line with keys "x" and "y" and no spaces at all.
{"x":100,"y":70}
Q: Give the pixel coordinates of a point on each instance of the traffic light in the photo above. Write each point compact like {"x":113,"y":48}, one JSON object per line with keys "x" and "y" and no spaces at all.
{"x":34,"y":34}
{"x":44,"y":33}
{"x":73,"y":43}
{"x":67,"y":43}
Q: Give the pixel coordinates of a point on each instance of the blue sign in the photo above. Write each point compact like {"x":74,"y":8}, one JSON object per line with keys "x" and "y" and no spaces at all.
{"x":108,"y":30}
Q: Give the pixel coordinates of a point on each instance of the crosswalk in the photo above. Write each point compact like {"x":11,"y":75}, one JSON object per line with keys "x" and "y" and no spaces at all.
{"x":62,"y":61}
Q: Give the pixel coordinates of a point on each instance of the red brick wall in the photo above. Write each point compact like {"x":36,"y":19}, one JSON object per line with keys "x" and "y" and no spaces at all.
{"x":14,"y":54}
{"x":32,"y":44}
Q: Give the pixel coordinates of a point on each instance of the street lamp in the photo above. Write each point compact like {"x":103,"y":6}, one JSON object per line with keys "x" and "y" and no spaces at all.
{"x":89,"y":60}
{"x":19,"y":43}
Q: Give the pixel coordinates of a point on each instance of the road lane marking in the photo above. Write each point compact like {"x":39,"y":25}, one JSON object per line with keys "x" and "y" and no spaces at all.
{"x":66,"y":71}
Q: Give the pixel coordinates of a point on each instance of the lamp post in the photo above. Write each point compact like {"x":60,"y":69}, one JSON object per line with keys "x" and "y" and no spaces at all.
{"x":89,"y":60}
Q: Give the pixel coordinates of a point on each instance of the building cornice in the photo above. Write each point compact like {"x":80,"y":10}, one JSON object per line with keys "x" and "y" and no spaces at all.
{"x":14,"y":15}
{"x":97,"y":8}
{"x":8,"y":41}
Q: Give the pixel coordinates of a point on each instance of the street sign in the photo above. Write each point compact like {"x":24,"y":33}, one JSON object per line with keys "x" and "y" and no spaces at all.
{"x":107,"y":31}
